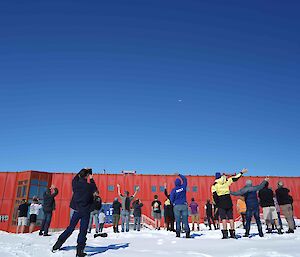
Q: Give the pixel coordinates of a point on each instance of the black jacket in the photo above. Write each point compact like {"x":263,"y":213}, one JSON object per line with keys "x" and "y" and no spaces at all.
{"x":168,"y":209}
{"x":49,"y":201}
{"x":116,"y":207}
{"x":137,"y":209}
{"x":209,"y":210}
{"x":282,"y":195}
{"x":266,"y":197}
{"x":82,"y":199}
{"x":97,"y":203}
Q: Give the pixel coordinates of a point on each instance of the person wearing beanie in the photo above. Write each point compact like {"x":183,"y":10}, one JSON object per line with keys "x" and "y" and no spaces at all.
{"x":221,"y":196}
{"x":250,"y":194}
{"x":209,"y":214}
{"x":82,"y":204}
{"x":266,"y":200}
{"x":137,"y":214}
{"x":178,"y":199}
{"x":116,"y":206}
{"x":168,"y":211}
{"x":284,"y":201}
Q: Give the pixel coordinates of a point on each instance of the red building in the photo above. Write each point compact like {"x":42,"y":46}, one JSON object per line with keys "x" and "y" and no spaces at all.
{"x":18,"y":185}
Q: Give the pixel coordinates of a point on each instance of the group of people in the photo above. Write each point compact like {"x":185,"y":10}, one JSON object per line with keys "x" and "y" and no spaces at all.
{"x":251,"y":197}
{"x":34,"y":208}
{"x":86,"y":205}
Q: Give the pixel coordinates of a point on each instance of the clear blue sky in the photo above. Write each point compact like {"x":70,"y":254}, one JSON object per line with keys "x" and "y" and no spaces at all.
{"x":98,"y":83}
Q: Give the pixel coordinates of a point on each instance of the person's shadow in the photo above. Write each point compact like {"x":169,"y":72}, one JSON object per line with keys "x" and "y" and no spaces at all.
{"x":92,"y":250}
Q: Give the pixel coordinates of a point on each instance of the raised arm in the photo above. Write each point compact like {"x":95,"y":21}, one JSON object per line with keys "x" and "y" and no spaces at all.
{"x":184,"y":180}
{"x":166,"y":191}
{"x":119,"y":192}
{"x":260,"y":186}
{"x":136,"y":190}
{"x":242,"y":191}
{"x":239,"y":175}
{"x":93,"y":184}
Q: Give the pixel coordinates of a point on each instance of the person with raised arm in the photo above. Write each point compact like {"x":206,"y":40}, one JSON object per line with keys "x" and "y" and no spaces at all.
{"x":252,"y":206}
{"x":221,"y":194}
{"x":178,"y":199}
{"x":126,"y":203}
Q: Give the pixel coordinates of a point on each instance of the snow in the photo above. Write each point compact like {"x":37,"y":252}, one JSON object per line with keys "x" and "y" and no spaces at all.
{"x":149,"y":243}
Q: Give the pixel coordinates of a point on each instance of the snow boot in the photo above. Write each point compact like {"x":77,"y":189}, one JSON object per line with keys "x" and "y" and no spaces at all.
{"x":280,"y":231}
{"x":115,"y":230}
{"x":187,"y":234}
{"x":177,"y":234}
{"x":41,"y":233}
{"x":198,"y":228}
{"x":232,"y":233}
{"x":225,"y":233}
{"x":269,"y":231}
{"x":80,"y":253}
{"x":290,"y":231}
{"x":57,"y":245}
{"x":260,"y":233}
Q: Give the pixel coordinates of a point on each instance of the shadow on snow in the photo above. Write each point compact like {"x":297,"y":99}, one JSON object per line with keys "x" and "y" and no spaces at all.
{"x":92,"y":250}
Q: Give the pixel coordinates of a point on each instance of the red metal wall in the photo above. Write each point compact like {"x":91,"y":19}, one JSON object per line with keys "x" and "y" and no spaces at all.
{"x":61,"y":217}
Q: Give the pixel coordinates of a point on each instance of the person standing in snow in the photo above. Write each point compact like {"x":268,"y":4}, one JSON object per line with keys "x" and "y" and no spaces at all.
{"x":178,"y":199}
{"x":250,"y":193}
{"x":194,"y":214}
{"x":48,"y":208}
{"x":209,"y":214}
{"x":125,"y":213}
{"x":22,"y":216}
{"x":116,"y":214}
{"x":156,"y":210}
{"x":168,"y":212}
{"x":266,"y":196}
{"x":137,"y":214}
{"x":101,"y":219}
{"x":284,"y":201}
{"x":278,"y":211}
{"x":34,"y":210}
{"x":96,"y":207}
{"x":82,"y":204}
{"x":221,"y":195}
{"x":241,"y":209}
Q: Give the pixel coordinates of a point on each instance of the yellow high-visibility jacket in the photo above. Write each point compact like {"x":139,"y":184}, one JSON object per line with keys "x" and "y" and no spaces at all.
{"x":222,"y":184}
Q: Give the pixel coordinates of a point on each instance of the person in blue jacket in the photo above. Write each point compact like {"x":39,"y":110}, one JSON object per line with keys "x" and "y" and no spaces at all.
{"x":82,"y":204}
{"x":178,"y":199}
{"x":250,"y":193}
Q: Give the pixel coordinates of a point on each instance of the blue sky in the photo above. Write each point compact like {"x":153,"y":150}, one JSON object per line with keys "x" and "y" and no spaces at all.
{"x":98,"y":84}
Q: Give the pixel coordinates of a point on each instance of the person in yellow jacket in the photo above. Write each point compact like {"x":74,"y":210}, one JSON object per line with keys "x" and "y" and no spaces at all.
{"x":221,"y":195}
{"x":241,"y":209}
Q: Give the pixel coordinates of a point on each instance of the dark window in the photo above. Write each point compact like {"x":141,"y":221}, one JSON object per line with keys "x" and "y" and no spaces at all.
{"x":188,"y":189}
{"x":33,"y":191}
{"x":34,"y":182}
{"x":19,"y":192}
{"x":153,"y":188}
{"x":43,"y":183}
{"x":195,"y":189}
{"x":161,"y":188}
{"x":24,"y":189}
{"x":111,"y":188}
{"x":42,"y":190}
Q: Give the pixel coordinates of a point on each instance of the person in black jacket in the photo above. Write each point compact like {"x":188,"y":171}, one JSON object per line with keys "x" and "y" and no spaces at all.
{"x":116,"y":214}
{"x":168,"y":212}
{"x":137,"y":213}
{"x":284,"y":201}
{"x":48,"y":208}
{"x":81,"y":203}
{"x":209,"y":214}
{"x":266,"y":196}
{"x":96,"y":207}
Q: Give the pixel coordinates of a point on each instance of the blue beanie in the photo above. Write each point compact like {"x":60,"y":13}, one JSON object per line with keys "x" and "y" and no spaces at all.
{"x":218,"y":175}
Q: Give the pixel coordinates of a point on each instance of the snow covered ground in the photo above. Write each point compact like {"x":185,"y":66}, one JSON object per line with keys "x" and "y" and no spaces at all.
{"x":148,"y":243}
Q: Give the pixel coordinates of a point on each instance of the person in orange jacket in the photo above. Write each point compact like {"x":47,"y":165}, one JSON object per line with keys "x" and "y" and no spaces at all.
{"x":241,"y":209}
